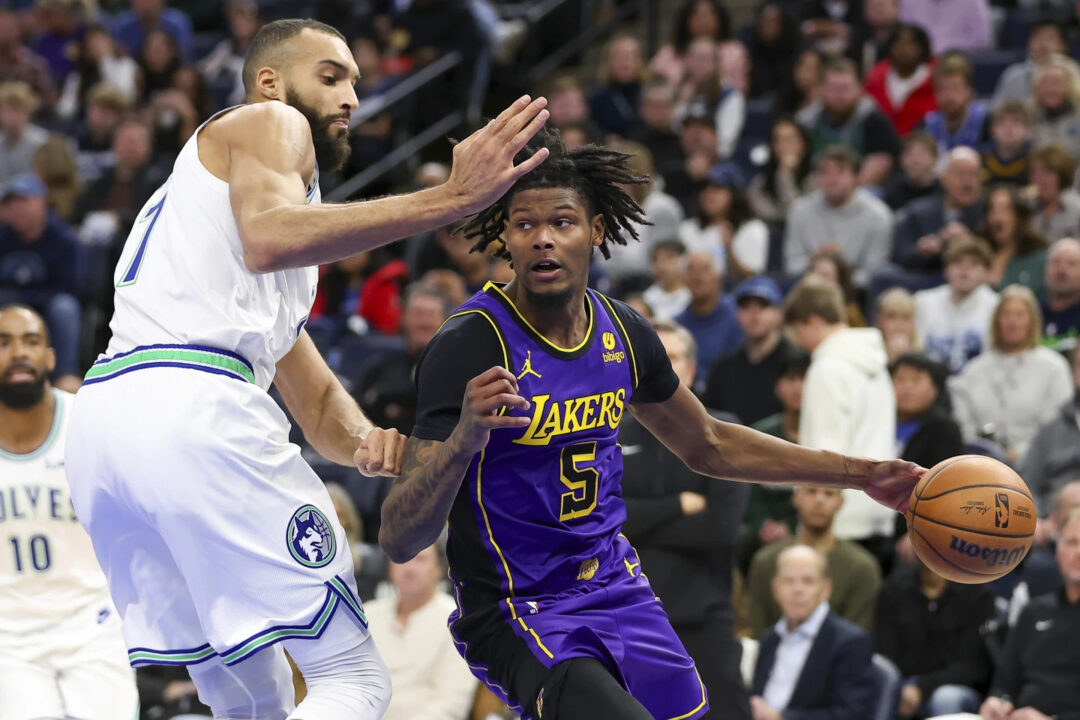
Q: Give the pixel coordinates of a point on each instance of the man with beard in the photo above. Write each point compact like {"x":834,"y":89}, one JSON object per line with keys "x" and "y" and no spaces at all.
{"x":515,"y":444}
{"x":61,"y":651}
{"x":179,"y":460}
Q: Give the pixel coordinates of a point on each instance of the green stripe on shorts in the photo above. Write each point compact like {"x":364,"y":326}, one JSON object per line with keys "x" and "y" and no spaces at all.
{"x":185,"y":356}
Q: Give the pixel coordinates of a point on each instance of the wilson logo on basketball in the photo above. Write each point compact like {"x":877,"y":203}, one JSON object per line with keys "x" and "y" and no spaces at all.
{"x":1000,"y":557}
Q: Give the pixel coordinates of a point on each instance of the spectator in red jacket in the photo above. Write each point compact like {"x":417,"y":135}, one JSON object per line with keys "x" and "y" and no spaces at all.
{"x":903,"y":83}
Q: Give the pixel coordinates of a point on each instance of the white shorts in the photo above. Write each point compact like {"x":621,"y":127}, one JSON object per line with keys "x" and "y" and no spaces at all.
{"x":216,"y":537}
{"x":79,"y":669}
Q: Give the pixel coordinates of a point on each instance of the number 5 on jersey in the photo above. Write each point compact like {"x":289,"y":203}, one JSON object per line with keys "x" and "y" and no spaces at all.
{"x":582,"y":481}
{"x":149,"y":218}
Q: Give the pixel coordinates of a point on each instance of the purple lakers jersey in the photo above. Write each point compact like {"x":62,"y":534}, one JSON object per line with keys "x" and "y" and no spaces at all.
{"x":544,"y":502}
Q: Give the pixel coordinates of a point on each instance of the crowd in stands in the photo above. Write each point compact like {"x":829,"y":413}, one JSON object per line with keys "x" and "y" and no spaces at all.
{"x":865,"y":237}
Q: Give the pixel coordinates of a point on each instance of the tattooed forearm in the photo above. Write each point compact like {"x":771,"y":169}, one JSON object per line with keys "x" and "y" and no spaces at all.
{"x":419,"y":502}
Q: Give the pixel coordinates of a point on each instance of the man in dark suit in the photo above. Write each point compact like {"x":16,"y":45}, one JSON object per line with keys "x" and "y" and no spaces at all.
{"x":813,"y":663}
{"x":683,"y":526}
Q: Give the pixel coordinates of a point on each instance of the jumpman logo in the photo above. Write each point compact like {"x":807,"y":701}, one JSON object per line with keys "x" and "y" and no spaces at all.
{"x":527,"y":368}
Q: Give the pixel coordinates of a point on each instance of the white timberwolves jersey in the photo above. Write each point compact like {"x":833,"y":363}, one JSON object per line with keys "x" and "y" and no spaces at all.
{"x":48,"y":572}
{"x":182,"y":281}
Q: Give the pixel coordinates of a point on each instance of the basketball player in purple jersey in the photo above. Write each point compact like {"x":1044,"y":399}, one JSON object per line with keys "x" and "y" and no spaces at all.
{"x":515,"y":444}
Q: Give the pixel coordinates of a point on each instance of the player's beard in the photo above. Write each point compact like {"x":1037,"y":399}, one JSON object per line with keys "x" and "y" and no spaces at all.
{"x":23,"y":395}
{"x":331,"y":145}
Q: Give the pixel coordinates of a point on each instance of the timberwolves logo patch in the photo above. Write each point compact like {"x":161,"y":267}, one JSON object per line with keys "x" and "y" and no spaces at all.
{"x":310,"y":537}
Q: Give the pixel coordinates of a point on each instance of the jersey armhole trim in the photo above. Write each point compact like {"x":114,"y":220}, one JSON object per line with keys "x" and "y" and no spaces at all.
{"x":625,"y":337}
{"x":494,"y":326}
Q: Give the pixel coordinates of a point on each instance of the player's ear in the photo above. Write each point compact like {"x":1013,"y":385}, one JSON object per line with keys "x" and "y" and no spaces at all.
{"x":597,"y":229}
{"x":269,"y":84}
{"x":50,"y":360}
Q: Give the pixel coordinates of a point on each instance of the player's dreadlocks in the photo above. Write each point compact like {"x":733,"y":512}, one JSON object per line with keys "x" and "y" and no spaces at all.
{"x":594,"y":172}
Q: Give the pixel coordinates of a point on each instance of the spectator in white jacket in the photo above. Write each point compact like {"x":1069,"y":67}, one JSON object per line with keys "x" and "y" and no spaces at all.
{"x":1015,"y":386}
{"x":953,"y":321}
{"x":849,"y":405}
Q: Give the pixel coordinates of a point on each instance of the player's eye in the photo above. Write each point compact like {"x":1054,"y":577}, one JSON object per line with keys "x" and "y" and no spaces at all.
{"x":563,"y":222}
{"x":524,"y":226}
{"x":329,"y":79}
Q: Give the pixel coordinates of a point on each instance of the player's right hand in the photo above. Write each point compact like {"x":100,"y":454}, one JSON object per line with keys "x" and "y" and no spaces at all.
{"x":483,"y":168}
{"x":486,"y":397}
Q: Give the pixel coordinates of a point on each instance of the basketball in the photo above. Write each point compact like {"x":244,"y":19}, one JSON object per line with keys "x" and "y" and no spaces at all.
{"x":971,"y":519}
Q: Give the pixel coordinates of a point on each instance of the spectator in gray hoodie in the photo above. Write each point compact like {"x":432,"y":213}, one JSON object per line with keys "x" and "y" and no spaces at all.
{"x":1015,"y":386}
{"x":839,"y":214}
{"x":848,"y":402}
{"x":1053,"y":459}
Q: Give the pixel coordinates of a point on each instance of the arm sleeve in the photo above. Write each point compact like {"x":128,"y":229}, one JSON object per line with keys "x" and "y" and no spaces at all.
{"x":1033,"y":469}
{"x":656,"y":380}
{"x":826,"y":416}
{"x":796,"y":252}
{"x":444,"y":371}
{"x":646,"y":514}
{"x":887,"y":631}
{"x":859,"y":605}
{"x":905,"y":239}
{"x":879,"y":247}
{"x":715,"y":527}
{"x":1007,"y":676}
{"x":960,"y":389}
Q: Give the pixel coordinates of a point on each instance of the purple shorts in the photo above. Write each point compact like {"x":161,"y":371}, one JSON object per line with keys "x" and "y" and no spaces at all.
{"x":511,"y":645}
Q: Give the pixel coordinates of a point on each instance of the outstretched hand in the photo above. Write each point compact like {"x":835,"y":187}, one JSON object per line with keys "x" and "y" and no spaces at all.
{"x":891,"y":483}
{"x":483,"y":168}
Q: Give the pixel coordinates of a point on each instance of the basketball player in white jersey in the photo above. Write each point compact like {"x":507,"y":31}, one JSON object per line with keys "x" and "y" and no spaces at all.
{"x":221,"y":545}
{"x":61,"y":652}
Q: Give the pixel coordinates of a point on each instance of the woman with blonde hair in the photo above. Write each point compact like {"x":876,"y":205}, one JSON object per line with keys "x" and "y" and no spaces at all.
{"x":54,"y":163}
{"x":1056,"y":98}
{"x":895,"y":318}
{"x":1016,"y":385}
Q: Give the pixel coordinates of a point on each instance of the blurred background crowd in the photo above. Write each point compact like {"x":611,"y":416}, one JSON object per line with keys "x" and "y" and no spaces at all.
{"x":908,"y":166}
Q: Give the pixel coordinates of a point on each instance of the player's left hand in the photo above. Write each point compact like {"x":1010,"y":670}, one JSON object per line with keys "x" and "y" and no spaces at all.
{"x":380,"y":453}
{"x":891,"y":483}
{"x":1028,"y":713}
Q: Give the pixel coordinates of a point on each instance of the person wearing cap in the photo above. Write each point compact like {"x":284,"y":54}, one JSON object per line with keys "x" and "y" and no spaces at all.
{"x":839,"y":214}
{"x":39,"y":260}
{"x":19,"y":138}
{"x":724,"y":224}
{"x":743,"y":382}
{"x":952,"y":321}
{"x":683,"y":526}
